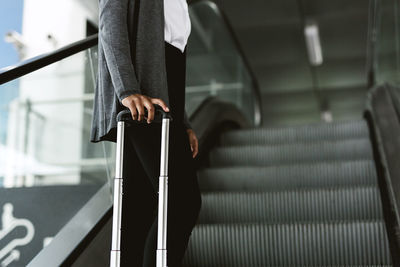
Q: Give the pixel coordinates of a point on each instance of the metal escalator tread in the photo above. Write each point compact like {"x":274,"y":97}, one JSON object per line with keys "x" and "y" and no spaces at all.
{"x":332,"y":244}
{"x":300,"y":266}
{"x":305,"y":175}
{"x":291,"y":153}
{"x":345,"y":203}
{"x":291,"y":196}
{"x":304,"y":133}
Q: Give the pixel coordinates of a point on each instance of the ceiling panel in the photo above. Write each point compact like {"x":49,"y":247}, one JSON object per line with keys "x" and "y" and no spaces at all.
{"x":271,"y":34}
{"x":271,"y":45}
{"x":260,"y":12}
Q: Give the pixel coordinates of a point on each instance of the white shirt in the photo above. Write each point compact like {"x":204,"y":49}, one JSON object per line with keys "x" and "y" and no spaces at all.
{"x":177,"y":23}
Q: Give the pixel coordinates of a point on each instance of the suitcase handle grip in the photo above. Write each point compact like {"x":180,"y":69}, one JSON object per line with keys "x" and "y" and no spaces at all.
{"x":159,"y":114}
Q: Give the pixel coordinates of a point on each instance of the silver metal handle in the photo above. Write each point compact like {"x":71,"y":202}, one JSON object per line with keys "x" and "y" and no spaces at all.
{"x":117,"y":207}
{"x":161,"y":254}
{"x":163,"y":196}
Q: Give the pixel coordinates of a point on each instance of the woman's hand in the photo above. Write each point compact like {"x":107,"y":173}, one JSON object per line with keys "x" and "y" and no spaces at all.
{"x":137,"y":102}
{"x":194,"y":143}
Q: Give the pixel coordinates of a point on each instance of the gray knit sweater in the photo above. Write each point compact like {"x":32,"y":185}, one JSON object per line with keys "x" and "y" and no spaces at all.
{"x":131,"y":59}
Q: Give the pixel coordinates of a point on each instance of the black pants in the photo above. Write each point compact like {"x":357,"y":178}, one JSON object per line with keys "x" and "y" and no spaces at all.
{"x":141,"y":174}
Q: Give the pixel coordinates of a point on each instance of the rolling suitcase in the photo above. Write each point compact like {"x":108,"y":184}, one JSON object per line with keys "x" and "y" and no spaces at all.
{"x":123,"y":118}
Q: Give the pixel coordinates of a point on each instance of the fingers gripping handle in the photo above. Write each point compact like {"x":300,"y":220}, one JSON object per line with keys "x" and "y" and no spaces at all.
{"x":125,"y":115}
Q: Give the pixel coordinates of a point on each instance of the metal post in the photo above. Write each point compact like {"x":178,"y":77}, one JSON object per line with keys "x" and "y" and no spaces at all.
{"x":163,"y":197}
{"x":117,"y":210}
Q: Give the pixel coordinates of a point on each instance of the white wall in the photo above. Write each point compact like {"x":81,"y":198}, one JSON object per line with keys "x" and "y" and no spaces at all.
{"x":54,"y":135}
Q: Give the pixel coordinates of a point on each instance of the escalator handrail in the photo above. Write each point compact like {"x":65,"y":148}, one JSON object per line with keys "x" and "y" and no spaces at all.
{"x":383,"y":120}
{"x":25,"y":67}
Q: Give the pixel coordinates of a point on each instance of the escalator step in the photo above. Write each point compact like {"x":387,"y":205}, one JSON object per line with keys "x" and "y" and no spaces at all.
{"x":296,"y":266}
{"x":331,"y":244}
{"x":350,"y":203}
{"x":304,"y":133}
{"x":291,"y":153}
{"x":313,"y":175}
{"x":285,"y":120}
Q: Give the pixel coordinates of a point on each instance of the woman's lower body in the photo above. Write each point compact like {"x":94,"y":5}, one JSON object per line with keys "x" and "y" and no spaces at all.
{"x":141,"y":174}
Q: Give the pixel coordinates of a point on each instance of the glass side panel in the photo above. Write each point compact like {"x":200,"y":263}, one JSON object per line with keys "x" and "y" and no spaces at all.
{"x":48,"y":167}
{"x":214,"y":65}
{"x":46,"y":127}
{"x":388,"y":42}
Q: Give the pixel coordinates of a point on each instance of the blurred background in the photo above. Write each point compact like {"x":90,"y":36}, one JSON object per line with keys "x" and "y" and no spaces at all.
{"x":296,"y":100}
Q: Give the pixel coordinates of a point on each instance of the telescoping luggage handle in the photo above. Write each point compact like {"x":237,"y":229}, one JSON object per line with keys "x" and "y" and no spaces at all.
{"x":123,"y":117}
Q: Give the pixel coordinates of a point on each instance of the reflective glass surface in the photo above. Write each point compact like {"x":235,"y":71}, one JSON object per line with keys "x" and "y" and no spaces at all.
{"x":214,"y":65}
{"x":387,"y":54}
{"x":48,"y":167}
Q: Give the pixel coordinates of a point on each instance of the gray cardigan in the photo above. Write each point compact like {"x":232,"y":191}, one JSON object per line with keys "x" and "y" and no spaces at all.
{"x":131,"y":59}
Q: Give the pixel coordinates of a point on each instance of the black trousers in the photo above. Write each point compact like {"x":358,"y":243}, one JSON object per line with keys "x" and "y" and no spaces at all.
{"x":141,"y":174}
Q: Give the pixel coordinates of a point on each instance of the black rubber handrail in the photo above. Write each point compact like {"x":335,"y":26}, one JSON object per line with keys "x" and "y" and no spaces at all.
{"x":384,"y":127}
{"x":30,"y":65}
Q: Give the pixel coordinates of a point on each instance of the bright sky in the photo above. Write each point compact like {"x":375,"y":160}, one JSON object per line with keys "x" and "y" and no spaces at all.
{"x":10,"y":19}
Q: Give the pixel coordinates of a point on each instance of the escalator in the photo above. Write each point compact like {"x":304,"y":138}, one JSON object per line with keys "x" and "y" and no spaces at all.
{"x":279,"y":187}
{"x":293,"y":196}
